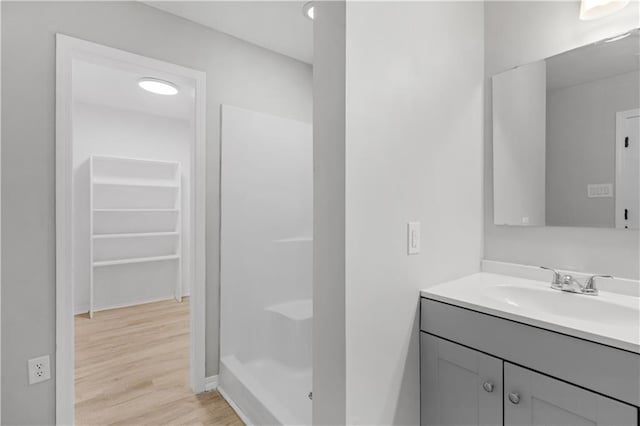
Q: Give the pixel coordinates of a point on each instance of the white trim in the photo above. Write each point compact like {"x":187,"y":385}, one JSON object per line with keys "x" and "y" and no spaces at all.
{"x":68,"y":49}
{"x":211,"y":383}
{"x":621,"y":118}
{"x":235,"y":407}
{"x":83,"y":309}
{"x":0,"y":218}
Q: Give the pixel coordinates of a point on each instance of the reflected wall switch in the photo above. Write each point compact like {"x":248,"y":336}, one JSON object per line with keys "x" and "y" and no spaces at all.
{"x":600,"y":190}
{"x":413,"y":238}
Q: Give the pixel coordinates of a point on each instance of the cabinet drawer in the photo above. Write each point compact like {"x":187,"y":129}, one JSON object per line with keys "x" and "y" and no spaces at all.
{"x":604,"y":369}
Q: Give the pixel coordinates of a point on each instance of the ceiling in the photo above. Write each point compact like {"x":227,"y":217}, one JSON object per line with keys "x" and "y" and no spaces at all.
{"x":275,"y":25}
{"x":117,"y":87}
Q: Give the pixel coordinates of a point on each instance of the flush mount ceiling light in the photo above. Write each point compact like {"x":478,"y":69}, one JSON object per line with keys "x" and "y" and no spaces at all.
{"x":594,"y":9}
{"x":308,"y":10}
{"x":157,"y":86}
{"x":618,"y":37}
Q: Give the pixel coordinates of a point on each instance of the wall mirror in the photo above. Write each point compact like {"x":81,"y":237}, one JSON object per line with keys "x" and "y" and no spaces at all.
{"x":566,"y":138}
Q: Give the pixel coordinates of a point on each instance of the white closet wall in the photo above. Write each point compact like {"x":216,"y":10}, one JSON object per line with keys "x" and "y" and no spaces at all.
{"x":132,"y":172}
{"x":134,"y":207}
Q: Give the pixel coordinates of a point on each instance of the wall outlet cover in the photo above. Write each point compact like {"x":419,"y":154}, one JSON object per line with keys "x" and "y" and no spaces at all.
{"x":39,"y":369}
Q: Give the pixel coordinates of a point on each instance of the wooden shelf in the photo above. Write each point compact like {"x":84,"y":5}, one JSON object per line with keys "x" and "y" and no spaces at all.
{"x":134,"y":160}
{"x":135,"y":235}
{"x":136,"y":183}
{"x":134,"y":203}
{"x":135,"y":260}
{"x":135,"y":210}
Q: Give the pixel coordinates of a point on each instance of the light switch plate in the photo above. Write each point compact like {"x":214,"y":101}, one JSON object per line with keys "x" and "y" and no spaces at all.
{"x":600,"y":190}
{"x":39,"y":369}
{"x":413,"y":238}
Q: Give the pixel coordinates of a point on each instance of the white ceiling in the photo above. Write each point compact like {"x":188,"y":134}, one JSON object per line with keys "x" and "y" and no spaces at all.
{"x":275,"y":25}
{"x":117,"y":87}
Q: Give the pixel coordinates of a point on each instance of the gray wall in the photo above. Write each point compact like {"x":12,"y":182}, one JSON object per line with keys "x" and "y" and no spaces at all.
{"x":414,"y":99}
{"x":238,"y":73}
{"x":329,"y":378}
{"x":581,"y":139}
{"x":519,"y":33}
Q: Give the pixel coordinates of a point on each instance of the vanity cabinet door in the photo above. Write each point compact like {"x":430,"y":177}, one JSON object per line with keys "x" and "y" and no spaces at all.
{"x":459,"y":386}
{"x":534,"y":399}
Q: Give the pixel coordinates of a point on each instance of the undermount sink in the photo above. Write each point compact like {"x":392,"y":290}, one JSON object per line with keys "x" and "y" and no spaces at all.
{"x":608,"y":318}
{"x":585,"y":308}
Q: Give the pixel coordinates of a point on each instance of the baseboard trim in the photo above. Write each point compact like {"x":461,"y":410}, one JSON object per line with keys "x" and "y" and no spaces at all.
{"x":235,"y":407}
{"x":83,"y":309}
{"x":211,"y":383}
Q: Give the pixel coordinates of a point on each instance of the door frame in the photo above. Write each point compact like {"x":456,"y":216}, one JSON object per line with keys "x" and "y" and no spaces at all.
{"x":68,"y":49}
{"x":621,"y":118}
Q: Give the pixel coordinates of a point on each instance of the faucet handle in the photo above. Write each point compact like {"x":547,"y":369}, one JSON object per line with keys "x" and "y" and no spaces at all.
{"x":590,"y":287}
{"x":557,"y":278}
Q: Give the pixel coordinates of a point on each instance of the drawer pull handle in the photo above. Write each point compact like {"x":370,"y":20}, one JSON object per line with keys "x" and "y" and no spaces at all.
{"x":514,"y":398}
{"x":488,"y":386}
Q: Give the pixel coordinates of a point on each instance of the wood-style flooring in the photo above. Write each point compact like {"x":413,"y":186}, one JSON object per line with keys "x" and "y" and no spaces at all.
{"x":132,"y":368}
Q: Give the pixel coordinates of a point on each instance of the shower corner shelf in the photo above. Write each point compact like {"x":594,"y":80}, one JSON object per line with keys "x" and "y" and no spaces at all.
{"x":294,"y":310}
{"x":134,"y":215}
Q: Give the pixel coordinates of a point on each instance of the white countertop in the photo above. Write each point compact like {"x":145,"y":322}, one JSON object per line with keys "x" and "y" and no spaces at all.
{"x":610,"y":318}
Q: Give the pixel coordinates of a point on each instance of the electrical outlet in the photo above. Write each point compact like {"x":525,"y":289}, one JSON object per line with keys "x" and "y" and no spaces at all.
{"x":39,"y":369}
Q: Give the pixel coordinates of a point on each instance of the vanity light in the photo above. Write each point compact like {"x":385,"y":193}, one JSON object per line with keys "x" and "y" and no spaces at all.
{"x":594,"y":9}
{"x":308,"y":10}
{"x":157,"y":86}
{"x":618,"y":37}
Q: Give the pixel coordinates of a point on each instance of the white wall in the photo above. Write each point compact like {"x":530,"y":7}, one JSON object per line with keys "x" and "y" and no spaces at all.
{"x":414,"y":98}
{"x":522,"y":32}
{"x":238,"y":73}
{"x":519,"y":145}
{"x":581,"y":140}
{"x":103,"y":130}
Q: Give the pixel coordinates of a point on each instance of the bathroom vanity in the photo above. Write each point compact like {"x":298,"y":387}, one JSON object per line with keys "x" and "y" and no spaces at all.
{"x":502,"y":350}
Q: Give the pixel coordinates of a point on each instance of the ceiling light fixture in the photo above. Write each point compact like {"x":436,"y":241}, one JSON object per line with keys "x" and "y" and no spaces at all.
{"x":618,"y":37}
{"x":308,"y":10}
{"x":157,"y":86}
{"x":594,"y":9}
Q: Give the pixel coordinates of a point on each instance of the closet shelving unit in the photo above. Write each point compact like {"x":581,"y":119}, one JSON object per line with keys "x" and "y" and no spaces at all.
{"x":135,"y":215}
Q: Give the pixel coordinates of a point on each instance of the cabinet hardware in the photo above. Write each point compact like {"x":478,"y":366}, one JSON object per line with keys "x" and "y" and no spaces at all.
{"x":514,"y":397}
{"x":488,"y":386}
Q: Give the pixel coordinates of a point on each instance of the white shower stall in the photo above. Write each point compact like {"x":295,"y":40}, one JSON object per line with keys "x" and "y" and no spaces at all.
{"x":266,"y":266}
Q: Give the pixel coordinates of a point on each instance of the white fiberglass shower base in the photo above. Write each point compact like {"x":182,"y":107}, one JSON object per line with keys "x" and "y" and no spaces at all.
{"x":273,"y":386}
{"x":283,"y":401}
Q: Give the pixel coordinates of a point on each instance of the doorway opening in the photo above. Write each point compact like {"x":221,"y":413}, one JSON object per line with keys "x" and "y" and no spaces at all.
{"x":627,"y":169}
{"x":129,"y":232}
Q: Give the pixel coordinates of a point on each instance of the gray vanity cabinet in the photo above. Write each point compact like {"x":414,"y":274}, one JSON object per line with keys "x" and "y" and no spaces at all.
{"x":534,"y":399}
{"x":459,"y":386}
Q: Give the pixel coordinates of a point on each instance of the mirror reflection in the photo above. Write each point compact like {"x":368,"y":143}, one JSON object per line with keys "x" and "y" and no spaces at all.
{"x":566,"y":136}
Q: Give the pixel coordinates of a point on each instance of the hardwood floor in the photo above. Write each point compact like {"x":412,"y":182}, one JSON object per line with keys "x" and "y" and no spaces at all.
{"x":132,"y":368}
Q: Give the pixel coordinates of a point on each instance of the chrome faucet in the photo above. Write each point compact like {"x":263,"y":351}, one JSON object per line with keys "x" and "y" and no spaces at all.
{"x":556,"y":282}
{"x":590,"y":287}
{"x":570,"y":284}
